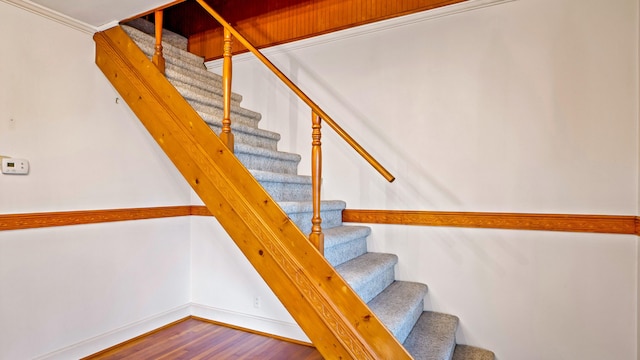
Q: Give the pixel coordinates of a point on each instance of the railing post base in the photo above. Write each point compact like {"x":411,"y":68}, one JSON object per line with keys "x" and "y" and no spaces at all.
{"x":228,"y":140}
{"x":318,"y":241}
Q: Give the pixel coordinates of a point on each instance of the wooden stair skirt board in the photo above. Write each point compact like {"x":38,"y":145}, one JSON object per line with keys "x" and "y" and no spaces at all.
{"x":332,"y":315}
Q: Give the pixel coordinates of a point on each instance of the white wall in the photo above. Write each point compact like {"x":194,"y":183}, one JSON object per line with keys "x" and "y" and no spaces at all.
{"x":528,"y":106}
{"x":71,"y":286}
{"x":224,"y":284}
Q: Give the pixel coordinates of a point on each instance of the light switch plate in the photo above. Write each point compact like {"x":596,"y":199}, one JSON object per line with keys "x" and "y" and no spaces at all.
{"x":15,"y":166}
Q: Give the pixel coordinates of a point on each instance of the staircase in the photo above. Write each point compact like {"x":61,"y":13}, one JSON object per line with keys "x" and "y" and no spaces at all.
{"x":398,"y":304}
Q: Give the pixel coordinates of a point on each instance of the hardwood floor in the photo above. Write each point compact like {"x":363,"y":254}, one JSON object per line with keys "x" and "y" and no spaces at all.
{"x":194,"y":339}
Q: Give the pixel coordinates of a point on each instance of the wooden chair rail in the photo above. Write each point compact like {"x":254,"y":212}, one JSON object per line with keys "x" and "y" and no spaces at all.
{"x":314,"y":107}
{"x":609,"y":224}
{"x":604,"y":224}
{"x":65,"y":218}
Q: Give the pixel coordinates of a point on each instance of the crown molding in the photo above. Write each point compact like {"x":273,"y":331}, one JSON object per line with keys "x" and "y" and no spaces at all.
{"x":365,"y":29}
{"x":52,"y":15}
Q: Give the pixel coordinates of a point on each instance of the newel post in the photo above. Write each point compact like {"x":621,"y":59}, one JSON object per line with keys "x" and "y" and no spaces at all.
{"x":225,"y":135}
{"x":158,"y":57}
{"x":316,"y":237}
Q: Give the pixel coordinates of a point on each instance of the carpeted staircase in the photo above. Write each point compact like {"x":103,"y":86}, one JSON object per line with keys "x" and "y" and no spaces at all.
{"x":399,"y":304}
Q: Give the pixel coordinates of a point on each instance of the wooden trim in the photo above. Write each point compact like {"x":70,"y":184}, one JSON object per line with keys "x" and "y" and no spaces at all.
{"x":609,"y":224}
{"x":51,"y":219}
{"x":272,"y":23}
{"x":200,"y":210}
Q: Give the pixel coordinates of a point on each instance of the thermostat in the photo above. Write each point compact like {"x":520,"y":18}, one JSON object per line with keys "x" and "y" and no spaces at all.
{"x":15,"y":166}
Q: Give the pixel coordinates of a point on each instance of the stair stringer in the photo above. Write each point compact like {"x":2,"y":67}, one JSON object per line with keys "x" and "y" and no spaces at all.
{"x":337,"y":321}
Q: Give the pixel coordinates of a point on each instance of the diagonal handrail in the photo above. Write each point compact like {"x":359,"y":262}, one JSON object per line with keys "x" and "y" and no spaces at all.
{"x":314,"y":107}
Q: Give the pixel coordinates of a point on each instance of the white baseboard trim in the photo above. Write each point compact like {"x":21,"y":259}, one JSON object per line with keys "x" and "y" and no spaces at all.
{"x":117,"y":336}
{"x":280,"y":328}
{"x":216,"y":65}
{"x":98,"y":343}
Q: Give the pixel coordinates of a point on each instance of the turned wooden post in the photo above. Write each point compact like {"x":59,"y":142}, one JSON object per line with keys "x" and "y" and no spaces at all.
{"x":226,"y":136}
{"x":316,"y":237}
{"x":158,"y":57}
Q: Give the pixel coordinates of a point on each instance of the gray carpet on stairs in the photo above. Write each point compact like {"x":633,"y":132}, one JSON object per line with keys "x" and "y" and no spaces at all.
{"x":398,"y":304}
{"x":465,"y":352}
{"x":433,"y":337}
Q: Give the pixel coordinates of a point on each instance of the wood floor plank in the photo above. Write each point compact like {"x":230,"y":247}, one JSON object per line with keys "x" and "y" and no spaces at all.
{"x":195,"y":339}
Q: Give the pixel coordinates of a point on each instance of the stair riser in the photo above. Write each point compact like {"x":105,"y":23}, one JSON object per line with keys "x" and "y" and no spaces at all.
{"x":215,"y":109}
{"x":374,"y":286}
{"x":171,"y":53}
{"x":207,"y":90}
{"x":409,"y":321}
{"x":433,"y":337}
{"x":168,"y":36}
{"x":330,"y":219}
{"x":203,"y":80}
{"x":258,"y":162}
{"x":183,"y":67}
{"x":245,"y":138}
{"x":288,"y":191}
{"x":341,"y":253}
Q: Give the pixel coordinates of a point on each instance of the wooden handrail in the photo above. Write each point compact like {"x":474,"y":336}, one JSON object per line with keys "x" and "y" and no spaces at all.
{"x":314,"y":107}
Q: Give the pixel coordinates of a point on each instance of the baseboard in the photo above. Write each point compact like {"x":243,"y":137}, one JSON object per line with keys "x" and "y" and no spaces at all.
{"x":117,"y":336}
{"x":283,"y":329}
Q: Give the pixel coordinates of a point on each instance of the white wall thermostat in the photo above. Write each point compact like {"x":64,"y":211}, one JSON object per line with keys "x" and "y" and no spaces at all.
{"x":15,"y":166}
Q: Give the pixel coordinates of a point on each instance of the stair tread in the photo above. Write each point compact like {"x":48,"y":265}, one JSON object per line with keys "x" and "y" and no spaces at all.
{"x":170,"y":51}
{"x":268,"y":176}
{"x":209,"y":103}
{"x":180,"y":77}
{"x":274,"y":154}
{"x":399,"y":306}
{"x":345,"y":233}
{"x":168,"y":36}
{"x":292,"y":207}
{"x":466,"y":352}
{"x":182,"y":65}
{"x":433,"y":337}
{"x":344,"y":243}
{"x":366,"y":274}
{"x":211,"y":120}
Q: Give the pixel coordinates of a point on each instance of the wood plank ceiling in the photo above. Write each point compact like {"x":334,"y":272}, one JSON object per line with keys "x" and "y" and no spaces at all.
{"x":273,"y":22}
